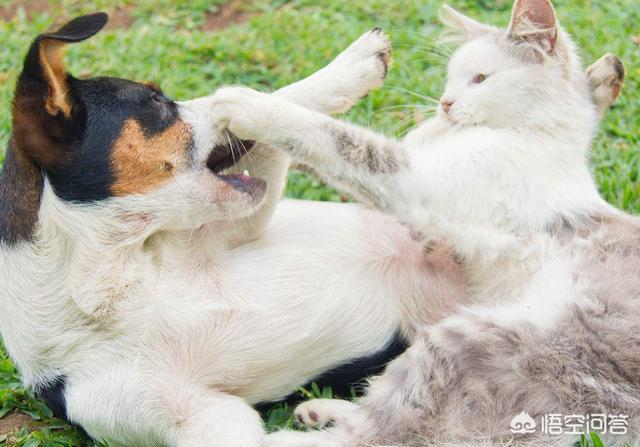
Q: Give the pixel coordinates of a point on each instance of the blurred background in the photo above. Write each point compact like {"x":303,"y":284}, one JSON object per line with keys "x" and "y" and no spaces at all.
{"x":191,"y":47}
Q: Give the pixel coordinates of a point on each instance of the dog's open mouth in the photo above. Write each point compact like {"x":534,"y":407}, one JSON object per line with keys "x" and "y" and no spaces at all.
{"x":224,"y":156}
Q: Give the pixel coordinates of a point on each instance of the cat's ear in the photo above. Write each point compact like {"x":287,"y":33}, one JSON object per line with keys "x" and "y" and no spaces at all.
{"x":460,"y":28}
{"x":535,"y":23}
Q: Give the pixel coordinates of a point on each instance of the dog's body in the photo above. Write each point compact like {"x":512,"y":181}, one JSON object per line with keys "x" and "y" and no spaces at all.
{"x":193,"y":330}
{"x":151,"y":298}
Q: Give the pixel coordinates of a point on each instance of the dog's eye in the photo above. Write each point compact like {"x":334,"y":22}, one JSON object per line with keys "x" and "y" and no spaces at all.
{"x":159,"y":98}
{"x":479,"y":78}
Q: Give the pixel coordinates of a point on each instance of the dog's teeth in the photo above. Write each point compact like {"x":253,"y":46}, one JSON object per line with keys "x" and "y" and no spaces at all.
{"x":246,"y":172}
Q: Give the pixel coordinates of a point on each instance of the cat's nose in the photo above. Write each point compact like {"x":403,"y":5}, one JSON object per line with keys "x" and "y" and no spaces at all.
{"x":446,"y":105}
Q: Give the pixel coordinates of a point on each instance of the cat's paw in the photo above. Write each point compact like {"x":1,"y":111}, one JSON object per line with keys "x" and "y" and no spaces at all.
{"x":247,"y":113}
{"x":606,"y":77}
{"x":320,"y":413}
{"x":362,"y":67}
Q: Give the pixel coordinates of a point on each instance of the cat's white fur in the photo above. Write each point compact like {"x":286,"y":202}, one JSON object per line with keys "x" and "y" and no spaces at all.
{"x":500,"y":167}
{"x":459,"y":177}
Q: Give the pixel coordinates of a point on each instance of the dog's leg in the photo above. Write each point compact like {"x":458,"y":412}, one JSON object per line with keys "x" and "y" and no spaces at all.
{"x":220,"y":420}
{"x":303,"y":439}
{"x":134,"y":409}
{"x":606,"y":77}
{"x":359,"y":69}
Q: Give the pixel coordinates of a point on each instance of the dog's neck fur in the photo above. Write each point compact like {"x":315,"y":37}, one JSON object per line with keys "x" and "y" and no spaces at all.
{"x":105,"y":259}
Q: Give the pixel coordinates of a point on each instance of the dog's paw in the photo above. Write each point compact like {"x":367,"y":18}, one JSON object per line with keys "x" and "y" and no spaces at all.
{"x":606,"y":77}
{"x":362,"y":67}
{"x":320,"y":413}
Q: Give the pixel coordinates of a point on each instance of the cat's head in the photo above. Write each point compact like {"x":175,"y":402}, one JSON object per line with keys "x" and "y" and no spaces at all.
{"x":528,"y":74}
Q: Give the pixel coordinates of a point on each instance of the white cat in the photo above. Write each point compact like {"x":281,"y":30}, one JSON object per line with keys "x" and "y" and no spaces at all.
{"x":501,"y":176}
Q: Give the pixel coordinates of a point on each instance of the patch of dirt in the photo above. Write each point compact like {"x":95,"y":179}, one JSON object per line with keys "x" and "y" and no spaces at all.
{"x":31,"y":8}
{"x":231,"y":13}
{"x":121,"y":17}
{"x":13,"y":422}
{"x":228,"y":14}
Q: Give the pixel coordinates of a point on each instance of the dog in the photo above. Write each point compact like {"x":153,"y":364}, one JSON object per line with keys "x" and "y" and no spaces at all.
{"x":153,"y":288}
{"x":149,"y":294}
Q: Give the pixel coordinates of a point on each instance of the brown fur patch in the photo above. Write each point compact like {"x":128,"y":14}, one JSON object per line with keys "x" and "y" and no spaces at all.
{"x":141,"y":163}
{"x":51,"y":54}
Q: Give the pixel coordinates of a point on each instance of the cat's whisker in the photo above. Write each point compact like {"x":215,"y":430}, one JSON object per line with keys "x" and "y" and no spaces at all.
{"x":403,"y":124}
{"x":431,"y":47}
{"x":426,"y":98}
{"x":432,"y":59}
{"x":401,"y":107}
{"x":432,"y":38}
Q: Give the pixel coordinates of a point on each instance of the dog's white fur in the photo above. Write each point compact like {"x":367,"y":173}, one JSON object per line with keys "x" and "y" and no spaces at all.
{"x":171,"y":312}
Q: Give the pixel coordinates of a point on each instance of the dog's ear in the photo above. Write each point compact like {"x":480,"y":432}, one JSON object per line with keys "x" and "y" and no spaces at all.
{"x":44,"y":63}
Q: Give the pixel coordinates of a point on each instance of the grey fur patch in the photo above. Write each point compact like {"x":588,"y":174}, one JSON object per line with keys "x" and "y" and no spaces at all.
{"x":384,"y":157}
{"x":464,"y":385}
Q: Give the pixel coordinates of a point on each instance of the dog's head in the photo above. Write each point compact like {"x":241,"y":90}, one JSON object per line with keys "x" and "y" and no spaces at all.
{"x":115,"y":146}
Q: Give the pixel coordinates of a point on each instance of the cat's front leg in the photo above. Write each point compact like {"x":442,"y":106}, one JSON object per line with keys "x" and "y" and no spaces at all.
{"x":359,"y":161}
{"x":335,"y":88}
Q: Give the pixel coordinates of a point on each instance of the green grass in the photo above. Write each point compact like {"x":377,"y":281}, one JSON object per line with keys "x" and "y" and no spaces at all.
{"x":288,"y":40}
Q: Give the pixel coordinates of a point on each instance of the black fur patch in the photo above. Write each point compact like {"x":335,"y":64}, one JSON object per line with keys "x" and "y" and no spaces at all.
{"x":351,"y":375}
{"x":53,"y":394}
{"x":106,"y":103}
{"x":71,"y":148}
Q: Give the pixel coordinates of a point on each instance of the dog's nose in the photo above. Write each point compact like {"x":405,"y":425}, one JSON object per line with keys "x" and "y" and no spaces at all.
{"x":446,"y":105}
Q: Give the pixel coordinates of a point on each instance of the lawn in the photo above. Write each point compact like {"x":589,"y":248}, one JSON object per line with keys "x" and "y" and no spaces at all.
{"x":192,"y":47}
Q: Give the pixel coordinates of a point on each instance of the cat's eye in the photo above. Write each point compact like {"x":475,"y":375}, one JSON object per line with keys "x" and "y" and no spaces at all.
{"x":479,"y":78}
